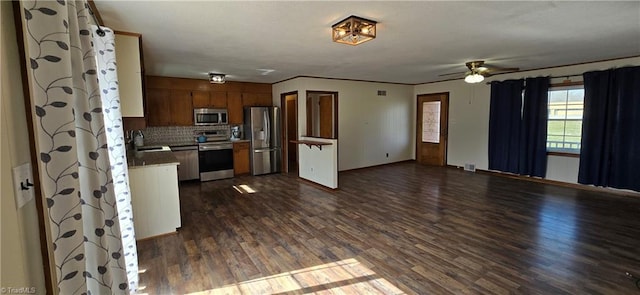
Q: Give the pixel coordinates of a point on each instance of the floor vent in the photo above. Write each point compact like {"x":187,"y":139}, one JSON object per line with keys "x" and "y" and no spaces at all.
{"x":470,"y":167}
{"x":382,"y":93}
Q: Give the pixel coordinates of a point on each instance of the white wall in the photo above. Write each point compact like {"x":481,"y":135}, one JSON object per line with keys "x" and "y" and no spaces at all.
{"x":20,"y":243}
{"x":318,"y":164}
{"x":469,"y":116}
{"x":369,"y":126}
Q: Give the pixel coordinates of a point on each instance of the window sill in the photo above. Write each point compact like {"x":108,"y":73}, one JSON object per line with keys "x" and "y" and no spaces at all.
{"x":561,"y":154}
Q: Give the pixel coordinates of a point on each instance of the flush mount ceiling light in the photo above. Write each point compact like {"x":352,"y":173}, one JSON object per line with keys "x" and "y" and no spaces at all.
{"x":217,"y":78}
{"x":354,"y":30}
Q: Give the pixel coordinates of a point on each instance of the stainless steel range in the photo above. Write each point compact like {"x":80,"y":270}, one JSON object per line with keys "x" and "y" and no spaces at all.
{"x":215,"y":156}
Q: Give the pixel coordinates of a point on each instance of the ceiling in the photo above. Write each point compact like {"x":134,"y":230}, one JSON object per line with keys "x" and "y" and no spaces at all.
{"x":270,"y":41}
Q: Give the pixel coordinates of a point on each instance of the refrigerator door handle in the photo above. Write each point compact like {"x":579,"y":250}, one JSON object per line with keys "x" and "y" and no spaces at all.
{"x":268,"y":128}
{"x":266,"y":150}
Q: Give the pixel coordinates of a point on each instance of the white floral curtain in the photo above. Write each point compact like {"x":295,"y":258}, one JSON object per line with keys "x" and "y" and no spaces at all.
{"x":77,"y":178}
{"x":104,"y":47}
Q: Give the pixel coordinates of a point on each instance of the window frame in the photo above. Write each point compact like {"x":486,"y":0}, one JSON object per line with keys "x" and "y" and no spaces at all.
{"x":565,"y":86}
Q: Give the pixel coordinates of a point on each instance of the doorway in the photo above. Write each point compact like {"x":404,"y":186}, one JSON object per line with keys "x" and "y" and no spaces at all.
{"x":322,"y":114}
{"x":289,"y":103}
{"x":432,"y":127}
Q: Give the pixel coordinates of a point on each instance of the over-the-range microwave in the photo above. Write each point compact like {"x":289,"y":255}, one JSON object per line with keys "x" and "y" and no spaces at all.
{"x":207,"y":117}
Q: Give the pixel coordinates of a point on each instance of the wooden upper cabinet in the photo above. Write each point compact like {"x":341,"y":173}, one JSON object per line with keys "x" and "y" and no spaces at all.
{"x":128,"y":48}
{"x":200,"y":99}
{"x":218,"y":99}
{"x":209,"y":99}
{"x":170,"y":101}
{"x":256,"y":99}
{"x":234,"y":107}
{"x":181,"y":108}
{"x":158,"y":107}
{"x":167,"y":107}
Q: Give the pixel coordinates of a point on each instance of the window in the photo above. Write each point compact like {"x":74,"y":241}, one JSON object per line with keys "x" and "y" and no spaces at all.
{"x":564,"y":126}
{"x":431,"y":121}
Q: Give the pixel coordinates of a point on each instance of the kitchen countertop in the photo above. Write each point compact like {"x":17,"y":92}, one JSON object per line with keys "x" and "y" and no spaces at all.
{"x":137,"y":159}
{"x":172,"y":143}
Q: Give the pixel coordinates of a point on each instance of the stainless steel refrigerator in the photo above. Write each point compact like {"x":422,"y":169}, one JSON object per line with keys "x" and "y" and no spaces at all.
{"x":262,"y":128}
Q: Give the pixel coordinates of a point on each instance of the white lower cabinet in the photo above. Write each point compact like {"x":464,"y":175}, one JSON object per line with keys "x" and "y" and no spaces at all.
{"x":155,"y":199}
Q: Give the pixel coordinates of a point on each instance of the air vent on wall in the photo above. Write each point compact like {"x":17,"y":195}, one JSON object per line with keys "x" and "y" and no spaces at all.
{"x":382,"y":93}
{"x":470,"y":167}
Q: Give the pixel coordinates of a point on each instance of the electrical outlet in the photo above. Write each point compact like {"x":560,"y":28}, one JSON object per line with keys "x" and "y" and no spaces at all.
{"x":387,"y":155}
{"x":23,"y":184}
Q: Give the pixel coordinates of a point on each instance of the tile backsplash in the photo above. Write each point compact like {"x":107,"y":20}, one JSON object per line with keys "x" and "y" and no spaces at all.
{"x":176,"y":134}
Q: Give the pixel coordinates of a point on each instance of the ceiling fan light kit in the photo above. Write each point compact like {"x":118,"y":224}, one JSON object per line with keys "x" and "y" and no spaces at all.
{"x":474,"y":78}
{"x":354,"y":30}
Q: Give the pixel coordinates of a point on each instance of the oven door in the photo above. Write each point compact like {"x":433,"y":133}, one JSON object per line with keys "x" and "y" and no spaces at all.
{"x":215,"y":161}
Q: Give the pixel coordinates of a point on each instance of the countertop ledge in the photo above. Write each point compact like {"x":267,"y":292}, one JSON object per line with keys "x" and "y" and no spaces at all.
{"x":172,"y":144}
{"x":187,"y":143}
{"x":137,"y":159}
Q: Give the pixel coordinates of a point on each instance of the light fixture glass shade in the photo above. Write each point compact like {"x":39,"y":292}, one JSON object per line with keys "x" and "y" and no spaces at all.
{"x":217,"y":78}
{"x":474,"y":78}
{"x":354,"y":30}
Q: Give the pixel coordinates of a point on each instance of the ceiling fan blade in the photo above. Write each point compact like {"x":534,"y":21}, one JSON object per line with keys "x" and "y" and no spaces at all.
{"x":494,"y":71}
{"x":499,"y":69}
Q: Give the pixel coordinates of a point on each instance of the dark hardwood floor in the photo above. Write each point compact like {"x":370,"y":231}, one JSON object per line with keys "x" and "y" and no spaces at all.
{"x":395,"y":229}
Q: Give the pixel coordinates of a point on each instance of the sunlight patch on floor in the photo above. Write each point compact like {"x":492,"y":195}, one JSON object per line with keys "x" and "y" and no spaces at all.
{"x":346,"y":276}
{"x":244,"y":189}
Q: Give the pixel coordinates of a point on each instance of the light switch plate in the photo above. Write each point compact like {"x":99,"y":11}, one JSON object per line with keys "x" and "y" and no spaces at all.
{"x":21,"y":174}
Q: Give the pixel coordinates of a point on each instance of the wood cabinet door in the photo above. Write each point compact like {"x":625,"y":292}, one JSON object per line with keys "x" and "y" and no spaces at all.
{"x":218,"y":99}
{"x":241,"y":158}
{"x":249,"y":99}
{"x":158,"y":107}
{"x":234,"y":107}
{"x":201,"y":99}
{"x":181,"y":108}
{"x":264,"y":99}
{"x":206,"y":99}
{"x":256,"y":99}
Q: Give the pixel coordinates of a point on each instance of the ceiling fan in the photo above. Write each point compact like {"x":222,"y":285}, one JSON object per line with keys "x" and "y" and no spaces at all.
{"x":478,"y":71}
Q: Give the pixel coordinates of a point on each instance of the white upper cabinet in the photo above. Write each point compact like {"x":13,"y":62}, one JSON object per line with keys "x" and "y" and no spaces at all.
{"x":129,"y":74}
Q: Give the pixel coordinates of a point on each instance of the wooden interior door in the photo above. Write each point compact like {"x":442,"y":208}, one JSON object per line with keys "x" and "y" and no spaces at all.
{"x":326,"y":120}
{"x":432,"y":126}
{"x":289,"y":103}
{"x":292,"y":130}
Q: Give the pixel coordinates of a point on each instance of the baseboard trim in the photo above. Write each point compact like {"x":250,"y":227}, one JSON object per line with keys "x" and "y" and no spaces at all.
{"x":157,"y":236}
{"x":320,"y":186}
{"x":379,"y":165}
{"x":558,"y":183}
